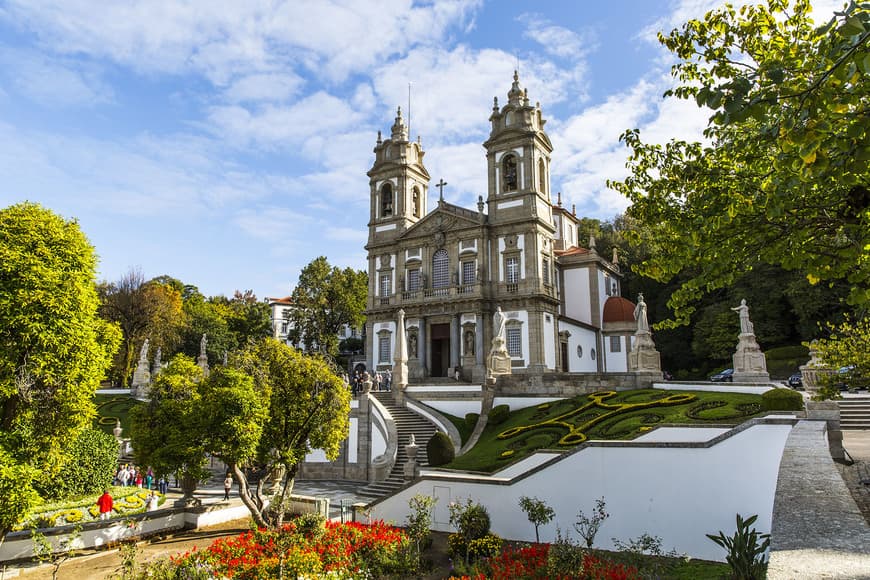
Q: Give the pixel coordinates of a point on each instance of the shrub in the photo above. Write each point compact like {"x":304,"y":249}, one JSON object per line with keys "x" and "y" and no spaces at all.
{"x":498,"y":415}
{"x":310,"y":525}
{"x":485,"y":547}
{"x":91,"y":461}
{"x":782,"y":400}
{"x":471,"y":521}
{"x":745,"y":553}
{"x":439,"y":449}
{"x":471,"y":420}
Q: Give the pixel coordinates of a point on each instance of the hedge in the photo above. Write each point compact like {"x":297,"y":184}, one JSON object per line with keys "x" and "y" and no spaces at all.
{"x":782,"y":400}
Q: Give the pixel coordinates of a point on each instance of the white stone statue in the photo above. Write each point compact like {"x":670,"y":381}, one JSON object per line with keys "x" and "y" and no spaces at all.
{"x":498,"y":324}
{"x":640,"y":315}
{"x":745,"y":324}
{"x":143,"y":353}
{"x":202,"y":344}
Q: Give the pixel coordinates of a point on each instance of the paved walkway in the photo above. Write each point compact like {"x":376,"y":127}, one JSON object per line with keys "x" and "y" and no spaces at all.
{"x":818,"y":531}
{"x":857,"y":445}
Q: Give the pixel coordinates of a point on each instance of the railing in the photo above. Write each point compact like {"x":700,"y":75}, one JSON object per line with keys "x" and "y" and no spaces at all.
{"x":436,"y":294}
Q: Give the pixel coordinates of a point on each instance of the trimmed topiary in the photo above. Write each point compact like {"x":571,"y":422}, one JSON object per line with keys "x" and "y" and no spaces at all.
{"x":439,"y":449}
{"x":498,"y":415}
{"x":782,"y":400}
{"x":471,"y":420}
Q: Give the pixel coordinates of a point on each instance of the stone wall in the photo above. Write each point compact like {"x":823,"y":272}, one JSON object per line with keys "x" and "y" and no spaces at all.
{"x":571,"y":384}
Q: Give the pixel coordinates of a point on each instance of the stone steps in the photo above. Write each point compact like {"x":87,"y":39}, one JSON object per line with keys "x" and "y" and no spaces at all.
{"x":407,"y":423}
{"x":855,"y":413}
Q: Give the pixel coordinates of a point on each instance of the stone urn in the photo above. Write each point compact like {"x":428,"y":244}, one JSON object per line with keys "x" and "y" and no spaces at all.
{"x":188,"y":486}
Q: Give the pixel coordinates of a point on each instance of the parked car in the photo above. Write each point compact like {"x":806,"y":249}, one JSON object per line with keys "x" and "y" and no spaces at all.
{"x":795,"y":381}
{"x":725,"y":376}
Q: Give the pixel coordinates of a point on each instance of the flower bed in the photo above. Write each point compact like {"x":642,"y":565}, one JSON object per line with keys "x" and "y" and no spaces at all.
{"x":359,"y":550}
{"x":127,"y":501}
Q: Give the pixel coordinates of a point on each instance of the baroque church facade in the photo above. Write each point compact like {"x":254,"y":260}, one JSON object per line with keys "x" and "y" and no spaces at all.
{"x":451,"y":268}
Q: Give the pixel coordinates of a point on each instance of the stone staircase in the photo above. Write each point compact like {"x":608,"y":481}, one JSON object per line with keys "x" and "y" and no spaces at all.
{"x":407,"y":422}
{"x":855,"y":413}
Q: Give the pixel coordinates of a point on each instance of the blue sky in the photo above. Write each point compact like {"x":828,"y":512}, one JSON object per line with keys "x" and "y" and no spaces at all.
{"x":227,"y":143}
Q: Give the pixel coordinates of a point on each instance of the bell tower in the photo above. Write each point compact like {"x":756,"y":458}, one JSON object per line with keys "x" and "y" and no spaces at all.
{"x":518,"y":160}
{"x":399,"y":183}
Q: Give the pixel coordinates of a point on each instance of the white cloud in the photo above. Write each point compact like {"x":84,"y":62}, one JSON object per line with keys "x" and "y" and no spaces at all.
{"x":264,"y":87}
{"x":558,"y":40}
{"x":277,"y":225}
{"x":283,"y":126}
{"x":221,"y":40}
{"x":53,"y":82}
{"x":356,"y":237}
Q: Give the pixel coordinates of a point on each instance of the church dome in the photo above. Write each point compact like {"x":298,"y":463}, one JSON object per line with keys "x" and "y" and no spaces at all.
{"x":618,"y":309}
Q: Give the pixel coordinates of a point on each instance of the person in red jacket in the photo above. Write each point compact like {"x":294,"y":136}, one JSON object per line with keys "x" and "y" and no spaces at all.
{"x":105,"y":504}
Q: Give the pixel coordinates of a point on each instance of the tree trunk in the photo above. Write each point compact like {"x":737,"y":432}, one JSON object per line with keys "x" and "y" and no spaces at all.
{"x":286,"y":491}
{"x":253,"y":503}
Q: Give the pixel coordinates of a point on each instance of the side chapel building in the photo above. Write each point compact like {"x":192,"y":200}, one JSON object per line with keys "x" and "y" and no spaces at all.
{"x":451,"y":268}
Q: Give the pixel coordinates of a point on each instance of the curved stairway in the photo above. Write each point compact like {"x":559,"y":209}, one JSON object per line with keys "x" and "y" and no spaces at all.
{"x":407,"y":422}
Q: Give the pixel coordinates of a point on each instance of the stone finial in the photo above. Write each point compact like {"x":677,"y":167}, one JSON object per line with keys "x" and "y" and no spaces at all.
{"x":399,"y":129}
{"x":559,"y":199}
{"x":495,"y":104}
{"x":573,"y":209}
{"x":615,"y":259}
{"x":592,"y":242}
{"x":380,"y":139}
{"x":480,"y":204}
{"x":526,"y":97}
{"x":516,"y":92}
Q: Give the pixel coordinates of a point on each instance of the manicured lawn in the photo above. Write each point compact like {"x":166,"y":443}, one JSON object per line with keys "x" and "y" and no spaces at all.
{"x":113,"y":407}
{"x":566,"y":423}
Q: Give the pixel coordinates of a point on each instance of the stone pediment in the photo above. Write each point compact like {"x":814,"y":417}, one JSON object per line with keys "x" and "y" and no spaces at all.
{"x":445,"y":218}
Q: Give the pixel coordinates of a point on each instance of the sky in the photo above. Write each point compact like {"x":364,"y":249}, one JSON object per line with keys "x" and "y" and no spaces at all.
{"x":226,"y":143}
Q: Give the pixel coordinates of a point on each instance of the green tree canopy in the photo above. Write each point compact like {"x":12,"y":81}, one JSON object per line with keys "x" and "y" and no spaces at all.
{"x":325,"y":299}
{"x":165,"y":430}
{"x":784,"y":179}
{"x":54,"y":348}
{"x":151,"y":310}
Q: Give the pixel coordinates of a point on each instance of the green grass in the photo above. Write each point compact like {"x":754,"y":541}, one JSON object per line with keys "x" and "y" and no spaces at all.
{"x":113,"y":407}
{"x":566,"y":423}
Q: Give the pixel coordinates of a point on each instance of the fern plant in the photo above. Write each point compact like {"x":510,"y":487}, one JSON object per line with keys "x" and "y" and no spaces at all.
{"x":746,"y":549}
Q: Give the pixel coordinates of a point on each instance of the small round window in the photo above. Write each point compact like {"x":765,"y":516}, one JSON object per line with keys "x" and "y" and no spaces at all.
{"x":579,"y":351}
{"x":592,"y":354}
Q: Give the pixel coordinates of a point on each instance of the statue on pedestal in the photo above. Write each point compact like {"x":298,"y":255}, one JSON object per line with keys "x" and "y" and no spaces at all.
{"x":643,"y":356}
{"x":499,"y":359}
{"x":750,"y":366}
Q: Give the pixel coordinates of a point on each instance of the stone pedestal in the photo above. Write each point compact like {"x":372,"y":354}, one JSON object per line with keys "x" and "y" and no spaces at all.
{"x":410,"y":469}
{"x":643,"y":357}
{"x":499,"y":359}
{"x":750,"y":366}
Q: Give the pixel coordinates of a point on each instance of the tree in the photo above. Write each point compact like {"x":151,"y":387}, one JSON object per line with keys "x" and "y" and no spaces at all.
{"x":54,"y":348}
{"x":325,"y":299}
{"x":784,"y":179}
{"x":165,"y":431}
{"x":306,"y":407}
{"x":151,"y":310}
{"x":538,"y":512}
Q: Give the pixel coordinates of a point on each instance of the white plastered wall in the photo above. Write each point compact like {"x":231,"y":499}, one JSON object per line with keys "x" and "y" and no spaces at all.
{"x":549,"y":341}
{"x":617,"y":362}
{"x":576,"y":294}
{"x":677,"y":493}
{"x":584,"y":338}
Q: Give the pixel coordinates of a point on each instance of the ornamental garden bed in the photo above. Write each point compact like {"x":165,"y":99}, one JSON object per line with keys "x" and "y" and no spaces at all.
{"x":110,"y":408}
{"x":608,"y":415}
{"x":127,"y":501}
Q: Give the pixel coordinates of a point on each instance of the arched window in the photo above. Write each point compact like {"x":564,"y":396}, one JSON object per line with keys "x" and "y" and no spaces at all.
{"x":509,"y":172}
{"x":542,"y":176}
{"x":386,"y":200}
{"x":440,"y":269}
{"x":415,"y":201}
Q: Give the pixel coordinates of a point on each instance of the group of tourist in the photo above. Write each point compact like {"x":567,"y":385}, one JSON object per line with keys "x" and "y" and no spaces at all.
{"x":129,"y":475}
{"x":381,"y":381}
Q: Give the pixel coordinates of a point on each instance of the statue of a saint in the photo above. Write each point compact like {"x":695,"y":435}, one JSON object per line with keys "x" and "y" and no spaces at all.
{"x":202,"y":344}
{"x":745,"y":324}
{"x":469,"y":342}
{"x":412,"y":344}
{"x":640,"y":315}
{"x":498,"y":322}
{"x":143,"y":354}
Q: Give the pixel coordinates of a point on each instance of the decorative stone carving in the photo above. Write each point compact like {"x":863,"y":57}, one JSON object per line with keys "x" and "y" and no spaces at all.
{"x":202,"y":359}
{"x":643,"y":357}
{"x":141,"y":376}
{"x":400,"y":360}
{"x":813,"y":372}
{"x":499,"y":359}
{"x":410,"y":469}
{"x":158,"y":363}
{"x":750,"y":366}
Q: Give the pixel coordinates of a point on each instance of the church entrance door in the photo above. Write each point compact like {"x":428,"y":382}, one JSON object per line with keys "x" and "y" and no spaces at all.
{"x":439,"y":347}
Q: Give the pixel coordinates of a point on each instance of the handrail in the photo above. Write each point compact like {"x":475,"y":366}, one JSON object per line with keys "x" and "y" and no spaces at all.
{"x":384,"y":462}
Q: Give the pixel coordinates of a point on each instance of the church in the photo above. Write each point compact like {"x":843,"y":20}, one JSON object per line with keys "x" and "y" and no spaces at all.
{"x":450,"y":269}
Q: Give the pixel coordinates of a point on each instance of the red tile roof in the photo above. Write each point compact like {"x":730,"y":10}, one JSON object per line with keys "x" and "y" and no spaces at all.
{"x":618,"y":309}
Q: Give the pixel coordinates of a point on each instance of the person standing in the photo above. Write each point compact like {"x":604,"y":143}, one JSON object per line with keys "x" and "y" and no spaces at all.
{"x":388,"y":379}
{"x":228,"y":485}
{"x":162,"y":484}
{"x":105,"y":505}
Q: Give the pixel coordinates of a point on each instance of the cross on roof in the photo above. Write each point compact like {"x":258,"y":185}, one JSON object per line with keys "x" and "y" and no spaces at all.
{"x":440,"y":185}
